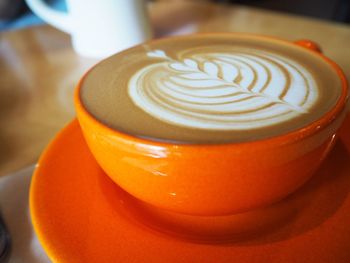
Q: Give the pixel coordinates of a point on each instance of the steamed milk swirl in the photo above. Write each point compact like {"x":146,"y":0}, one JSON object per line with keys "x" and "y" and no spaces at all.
{"x":214,"y":88}
{"x":239,"y":90}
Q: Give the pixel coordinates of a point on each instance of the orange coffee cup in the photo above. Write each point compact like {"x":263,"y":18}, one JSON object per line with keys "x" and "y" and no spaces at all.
{"x":219,"y":179}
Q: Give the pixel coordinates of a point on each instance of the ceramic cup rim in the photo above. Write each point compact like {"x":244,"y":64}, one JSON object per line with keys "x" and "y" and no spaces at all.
{"x":284,"y":138}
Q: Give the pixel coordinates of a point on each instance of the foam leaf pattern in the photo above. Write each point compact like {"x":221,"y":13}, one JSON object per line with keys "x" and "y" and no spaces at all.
{"x":180,"y":67}
{"x":209,"y":77}
{"x":228,"y":91}
{"x":191,"y":63}
{"x":229,"y":72}
{"x":157,"y":54}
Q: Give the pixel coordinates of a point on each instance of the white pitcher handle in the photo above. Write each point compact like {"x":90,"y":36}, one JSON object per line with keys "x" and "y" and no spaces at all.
{"x":58,"y":19}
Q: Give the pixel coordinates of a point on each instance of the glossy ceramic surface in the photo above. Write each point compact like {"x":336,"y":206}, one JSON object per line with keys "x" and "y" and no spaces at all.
{"x":218,"y":179}
{"x":80,"y":215}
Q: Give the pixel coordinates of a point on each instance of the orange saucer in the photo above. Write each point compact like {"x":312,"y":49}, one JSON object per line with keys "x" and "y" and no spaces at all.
{"x":80,"y":215}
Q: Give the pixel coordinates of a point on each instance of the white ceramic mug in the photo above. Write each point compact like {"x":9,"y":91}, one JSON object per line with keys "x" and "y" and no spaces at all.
{"x":99,"y":28}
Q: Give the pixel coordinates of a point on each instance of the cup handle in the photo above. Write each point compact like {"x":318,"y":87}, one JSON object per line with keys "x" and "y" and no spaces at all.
{"x":57,"y":19}
{"x":309,"y":45}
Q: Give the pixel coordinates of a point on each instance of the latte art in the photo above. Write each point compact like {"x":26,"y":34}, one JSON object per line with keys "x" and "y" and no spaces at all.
{"x":223,"y":91}
{"x":208,"y":89}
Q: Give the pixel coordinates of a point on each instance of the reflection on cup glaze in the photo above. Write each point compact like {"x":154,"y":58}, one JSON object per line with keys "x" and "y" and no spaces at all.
{"x":240,"y":90}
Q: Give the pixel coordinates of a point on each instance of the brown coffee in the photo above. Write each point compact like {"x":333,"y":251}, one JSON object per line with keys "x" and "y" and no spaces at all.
{"x":211,"y":88}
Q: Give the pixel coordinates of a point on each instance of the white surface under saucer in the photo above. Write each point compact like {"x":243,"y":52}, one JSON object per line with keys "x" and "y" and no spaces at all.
{"x":14,"y":194}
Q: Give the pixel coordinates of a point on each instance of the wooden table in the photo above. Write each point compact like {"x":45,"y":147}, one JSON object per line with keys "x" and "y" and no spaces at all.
{"x":38,"y":68}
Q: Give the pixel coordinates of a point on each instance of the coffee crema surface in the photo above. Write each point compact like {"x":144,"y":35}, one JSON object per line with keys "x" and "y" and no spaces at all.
{"x":211,"y":89}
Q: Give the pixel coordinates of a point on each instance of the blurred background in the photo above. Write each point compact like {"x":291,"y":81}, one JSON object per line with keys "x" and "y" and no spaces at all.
{"x":15,"y":14}
{"x":337,"y":10}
